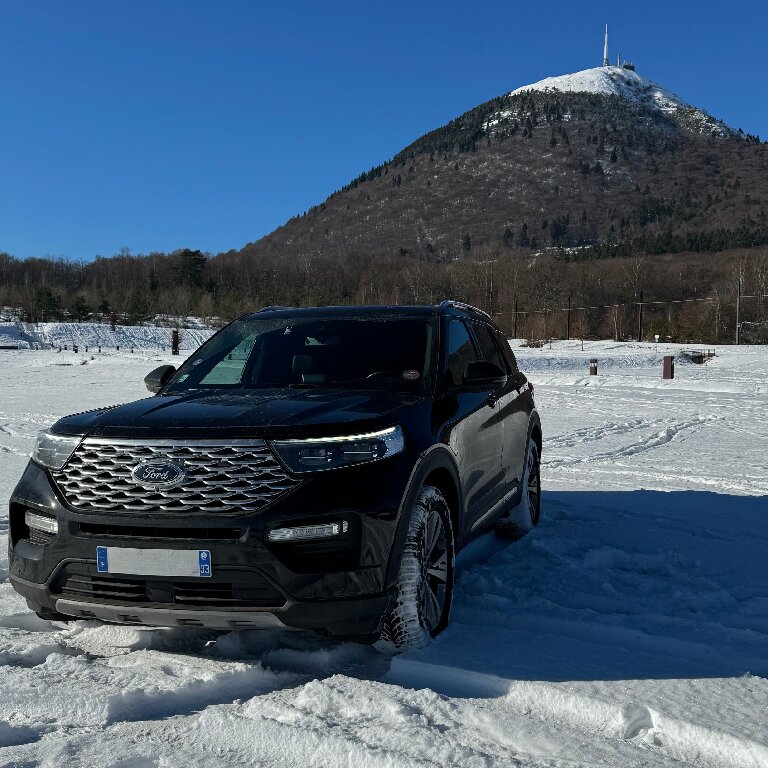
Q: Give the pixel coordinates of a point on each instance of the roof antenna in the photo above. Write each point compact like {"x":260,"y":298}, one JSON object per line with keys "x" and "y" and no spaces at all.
{"x":605,"y":48}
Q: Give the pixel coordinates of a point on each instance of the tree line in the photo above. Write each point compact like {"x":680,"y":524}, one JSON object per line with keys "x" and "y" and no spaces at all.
{"x":527,"y":291}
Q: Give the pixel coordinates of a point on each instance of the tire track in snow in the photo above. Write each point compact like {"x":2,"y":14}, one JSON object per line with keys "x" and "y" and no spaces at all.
{"x":591,"y":434}
{"x":657,"y":440}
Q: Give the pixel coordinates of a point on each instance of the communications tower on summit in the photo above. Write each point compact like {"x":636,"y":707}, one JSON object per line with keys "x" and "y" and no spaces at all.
{"x":605,"y":48}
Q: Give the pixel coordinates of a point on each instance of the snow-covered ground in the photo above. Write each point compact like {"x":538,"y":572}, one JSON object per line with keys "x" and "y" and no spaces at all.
{"x":629,"y":629}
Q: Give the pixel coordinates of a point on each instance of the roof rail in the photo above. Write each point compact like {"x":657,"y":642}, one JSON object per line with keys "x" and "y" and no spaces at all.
{"x":462,"y":305}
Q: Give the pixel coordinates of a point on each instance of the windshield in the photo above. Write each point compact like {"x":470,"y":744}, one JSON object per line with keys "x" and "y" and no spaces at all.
{"x":263,"y":352}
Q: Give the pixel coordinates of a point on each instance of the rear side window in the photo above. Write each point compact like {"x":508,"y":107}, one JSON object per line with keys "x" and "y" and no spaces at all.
{"x":459,"y":351}
{"x":507,"y":353}
{"x":488,"y":347}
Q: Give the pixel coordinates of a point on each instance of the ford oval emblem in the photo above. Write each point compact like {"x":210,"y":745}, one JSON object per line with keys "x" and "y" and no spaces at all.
{"x":159,"y":473}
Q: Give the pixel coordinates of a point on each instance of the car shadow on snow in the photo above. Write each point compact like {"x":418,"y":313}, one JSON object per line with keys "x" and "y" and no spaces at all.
{"x":610,"y":586}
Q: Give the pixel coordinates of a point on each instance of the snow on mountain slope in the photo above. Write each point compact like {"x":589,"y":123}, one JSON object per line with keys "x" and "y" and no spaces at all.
{"x":628,"y":630}
{"x":627,"y":84}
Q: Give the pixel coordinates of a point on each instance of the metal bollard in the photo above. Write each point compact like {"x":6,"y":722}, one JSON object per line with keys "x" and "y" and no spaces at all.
{"x":593,"y":366}
{"x":669,"y":367}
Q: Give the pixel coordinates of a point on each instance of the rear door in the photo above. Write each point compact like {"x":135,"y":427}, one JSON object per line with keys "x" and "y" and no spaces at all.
{"x":515,"y":408}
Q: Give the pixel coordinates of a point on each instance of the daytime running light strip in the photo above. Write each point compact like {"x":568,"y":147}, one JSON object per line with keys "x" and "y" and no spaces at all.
{"x":341,"y":439}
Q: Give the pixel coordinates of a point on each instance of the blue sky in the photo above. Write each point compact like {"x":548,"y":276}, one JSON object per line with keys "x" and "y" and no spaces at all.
{"x":161,"y":124}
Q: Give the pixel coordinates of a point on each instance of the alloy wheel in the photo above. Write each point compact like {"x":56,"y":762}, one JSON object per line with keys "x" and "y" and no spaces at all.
{"x":434,"y":571}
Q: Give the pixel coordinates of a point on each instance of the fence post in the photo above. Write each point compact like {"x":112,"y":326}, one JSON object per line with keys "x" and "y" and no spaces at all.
{"x":640,"y":319}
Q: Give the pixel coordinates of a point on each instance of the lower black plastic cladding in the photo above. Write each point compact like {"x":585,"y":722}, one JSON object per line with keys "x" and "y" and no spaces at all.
{"x":235,"y":588}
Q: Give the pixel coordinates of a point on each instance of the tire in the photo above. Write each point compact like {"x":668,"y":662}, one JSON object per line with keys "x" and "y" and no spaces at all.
{"x":525,"y":516}
{"x":425,"y":580}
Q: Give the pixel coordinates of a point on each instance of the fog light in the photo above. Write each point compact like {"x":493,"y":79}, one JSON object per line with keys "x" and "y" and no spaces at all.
{"x":41,"y":522}
{"x":307,"y":532}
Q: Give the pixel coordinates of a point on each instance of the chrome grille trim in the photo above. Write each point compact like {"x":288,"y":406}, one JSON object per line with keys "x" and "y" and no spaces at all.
{"x":222,"y":476}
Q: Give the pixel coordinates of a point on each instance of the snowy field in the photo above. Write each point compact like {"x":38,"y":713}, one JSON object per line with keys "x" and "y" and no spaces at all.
{"x":629,"y":629}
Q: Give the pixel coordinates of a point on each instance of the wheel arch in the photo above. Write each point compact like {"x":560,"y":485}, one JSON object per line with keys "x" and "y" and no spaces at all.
{"x":438,"y":468}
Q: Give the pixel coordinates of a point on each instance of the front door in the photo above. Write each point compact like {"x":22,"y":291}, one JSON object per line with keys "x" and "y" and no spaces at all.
{"x":475,"y":430}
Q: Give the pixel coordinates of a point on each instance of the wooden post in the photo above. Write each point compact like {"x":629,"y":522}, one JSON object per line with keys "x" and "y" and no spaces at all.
{"x":514,"y":333}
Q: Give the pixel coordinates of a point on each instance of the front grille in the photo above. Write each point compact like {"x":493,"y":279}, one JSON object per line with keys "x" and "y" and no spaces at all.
{"x":240,"y":589}
{"x":120,"y":589}
{"x":221,"y":476}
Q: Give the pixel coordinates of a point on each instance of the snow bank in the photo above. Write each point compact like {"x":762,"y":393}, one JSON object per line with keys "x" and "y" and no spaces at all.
{"x":102,"y":335}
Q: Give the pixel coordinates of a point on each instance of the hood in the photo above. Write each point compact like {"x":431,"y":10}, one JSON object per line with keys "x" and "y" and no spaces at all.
{"x":246,"y":413}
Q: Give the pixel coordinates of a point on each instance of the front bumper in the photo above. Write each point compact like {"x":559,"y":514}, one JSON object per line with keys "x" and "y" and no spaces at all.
{"x":337,"y":585}
{"x":346,"y":617}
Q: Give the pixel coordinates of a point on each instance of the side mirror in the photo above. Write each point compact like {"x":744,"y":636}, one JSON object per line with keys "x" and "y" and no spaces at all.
{"x":157,"y":379}
{"x":483,"y":372}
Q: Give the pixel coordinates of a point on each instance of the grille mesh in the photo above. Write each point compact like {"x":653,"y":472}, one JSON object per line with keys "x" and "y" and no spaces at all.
{"x":221,"y":476}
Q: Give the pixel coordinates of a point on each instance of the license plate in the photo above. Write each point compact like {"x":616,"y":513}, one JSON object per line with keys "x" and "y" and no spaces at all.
{"x":154,"y":562}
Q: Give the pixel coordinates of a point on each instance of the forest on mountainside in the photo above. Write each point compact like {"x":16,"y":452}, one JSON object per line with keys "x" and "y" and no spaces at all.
{"x":537,"y":170}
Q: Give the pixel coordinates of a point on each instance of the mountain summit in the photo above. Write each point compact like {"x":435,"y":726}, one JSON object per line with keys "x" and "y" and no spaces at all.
{"x":602,"y":157}
{"x":627,"y":84}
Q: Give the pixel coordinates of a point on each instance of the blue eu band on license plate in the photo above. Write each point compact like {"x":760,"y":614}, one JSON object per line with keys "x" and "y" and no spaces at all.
{"x":154,"y":562}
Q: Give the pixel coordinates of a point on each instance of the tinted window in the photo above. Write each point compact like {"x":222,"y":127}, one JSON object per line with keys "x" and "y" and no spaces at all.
{"x":507,"y":353}
{"x":488,"y":347}
{"x":459,"y":351}
{"x":263,"y":352}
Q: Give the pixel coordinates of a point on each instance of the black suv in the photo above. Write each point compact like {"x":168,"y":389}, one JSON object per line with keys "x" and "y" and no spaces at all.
{"x":312,"y":468}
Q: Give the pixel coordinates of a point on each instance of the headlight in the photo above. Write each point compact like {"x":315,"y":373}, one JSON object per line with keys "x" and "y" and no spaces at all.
{"x":315,"y":455}
{"x":53,"y":451}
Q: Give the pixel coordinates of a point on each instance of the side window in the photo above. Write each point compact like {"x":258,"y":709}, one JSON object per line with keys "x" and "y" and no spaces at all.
{"x":459,"y":351}
{"x":507,"y":353}
{"x":488,"y":347}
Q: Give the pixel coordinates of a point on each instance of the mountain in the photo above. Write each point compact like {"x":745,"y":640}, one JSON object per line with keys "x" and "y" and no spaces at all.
{"x":602,"y":157}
